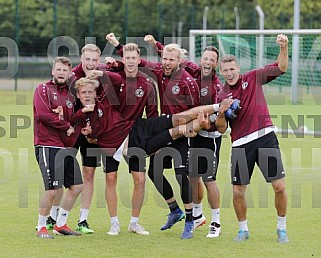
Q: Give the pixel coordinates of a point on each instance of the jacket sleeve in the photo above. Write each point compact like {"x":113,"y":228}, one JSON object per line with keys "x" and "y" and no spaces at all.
{"x":120,"y":50}
{"x":194,"y":92}
{"x":151,"y":107}
{"x":43,"y":110}
{"x":109,"y":82}
{"x":120,"y":67}
{"x":268,"y":73}
{"x":190,"y":67}
{"x":159,"y":48}
{"x":77,"y":117}
{"x":71,"y":85}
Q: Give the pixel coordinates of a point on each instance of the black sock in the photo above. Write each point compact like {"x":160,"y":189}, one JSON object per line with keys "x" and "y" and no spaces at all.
{"x":198,"y":217}
{"x":189,"y":216}
{"x":172,"y":205}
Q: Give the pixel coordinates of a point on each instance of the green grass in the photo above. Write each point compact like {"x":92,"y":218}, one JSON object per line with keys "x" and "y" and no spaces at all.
{"x":21,"y":188}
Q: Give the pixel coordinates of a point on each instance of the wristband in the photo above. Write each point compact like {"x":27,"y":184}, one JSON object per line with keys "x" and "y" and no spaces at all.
{"x":216,"y":107}
{"x":213,"y":118}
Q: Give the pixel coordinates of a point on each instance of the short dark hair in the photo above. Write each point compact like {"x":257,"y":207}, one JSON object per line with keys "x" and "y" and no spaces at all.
{"x":211,"y":48}
{"x":227,"y":59}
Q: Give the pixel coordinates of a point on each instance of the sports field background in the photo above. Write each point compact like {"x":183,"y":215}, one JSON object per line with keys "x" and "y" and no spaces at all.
{"x":21,"y":188}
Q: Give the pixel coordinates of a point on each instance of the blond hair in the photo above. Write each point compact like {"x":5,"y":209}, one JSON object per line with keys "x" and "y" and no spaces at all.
{"x":131,"y":47}
{"x":92,"y":48}
{"x":61,"y":59}
{"x":82,"y":82}
{"x":182,"y":53}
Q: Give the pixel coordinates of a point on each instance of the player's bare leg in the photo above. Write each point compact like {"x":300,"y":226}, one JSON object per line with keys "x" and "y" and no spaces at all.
{"x":239,"y":202}
{"x":67,"y":202}
{"x":88,"y":174}
{"x":87,"y":193}
{"x":137,"y":203}
{"x":52,"y":218}
{"x":191,"y":114}
{"x":280,"y":196}
{"x":213,"y":197}
{"x":43,"y":212}
{"x":240,"y":208}
{"x":190,"y":128}
{"x":281,"y":201}
{"x":110,"y":193}
{"x":111,"y":199}
{"x":197,"y":188}
{"x":213,"y":194}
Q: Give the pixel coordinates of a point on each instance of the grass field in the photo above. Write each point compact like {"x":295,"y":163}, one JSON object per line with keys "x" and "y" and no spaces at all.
{"x":21,"y":187}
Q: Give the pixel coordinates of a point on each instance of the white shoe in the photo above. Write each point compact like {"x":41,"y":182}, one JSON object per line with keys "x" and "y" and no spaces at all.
{"x":215,"y":230}
{"x":199,"y":222}
{"x":136,"y":228}
{"x":114,"y":229}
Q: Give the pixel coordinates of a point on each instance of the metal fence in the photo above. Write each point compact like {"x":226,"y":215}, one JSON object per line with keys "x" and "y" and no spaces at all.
{"x":29,"y":27}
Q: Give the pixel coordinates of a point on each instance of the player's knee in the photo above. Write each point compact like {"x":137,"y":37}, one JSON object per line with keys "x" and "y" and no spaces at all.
{"x":210,"y":185}
{"x":111,"y":178}
{"x":279,"y":186}
{"x":238,"y":191}
{"x":52,"y":194}
{"x":76,"y":189}
{"x":139,"y":179}
{"x":195,"y":182}
{"x":88,"y":175}
{"x":88,"y":170}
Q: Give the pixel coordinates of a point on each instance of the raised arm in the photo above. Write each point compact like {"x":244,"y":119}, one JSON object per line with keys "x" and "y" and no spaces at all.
{"x":283,"y":58}
{"x":111,"y":38}
{"x":153,"y":42}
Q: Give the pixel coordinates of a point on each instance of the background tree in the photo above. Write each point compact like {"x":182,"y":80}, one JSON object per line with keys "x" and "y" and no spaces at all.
{"x":41,"y":20}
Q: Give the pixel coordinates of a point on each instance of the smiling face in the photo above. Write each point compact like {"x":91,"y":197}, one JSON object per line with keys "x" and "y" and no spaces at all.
{"x":208,"y":62}
{"x":170,"y":61}
{"x":60,"y":73}
{"x":229,"y":69}
{"x":89,"y":60}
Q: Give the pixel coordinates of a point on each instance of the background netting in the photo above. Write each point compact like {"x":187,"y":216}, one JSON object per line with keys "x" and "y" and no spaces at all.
{"x":247,"y":47}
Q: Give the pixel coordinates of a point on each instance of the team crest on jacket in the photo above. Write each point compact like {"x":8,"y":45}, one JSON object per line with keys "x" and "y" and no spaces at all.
{"x":139,"y":93}
{"x":175,"y":89}
{"x":244,"y":85}
{"x":69,"y":103}
{"x":204,"y":92}
{"x":100,"y":112}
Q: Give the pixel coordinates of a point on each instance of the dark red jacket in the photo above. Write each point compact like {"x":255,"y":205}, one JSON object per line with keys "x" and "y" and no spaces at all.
{"x":178,"y":92}
{"x":136,"y":95}
{"x":48,"y":127}
{"x":254,"y":113}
